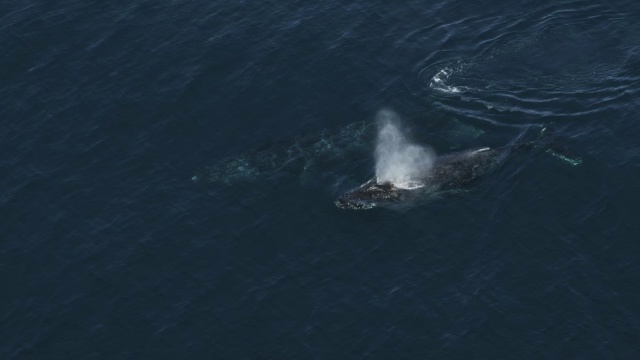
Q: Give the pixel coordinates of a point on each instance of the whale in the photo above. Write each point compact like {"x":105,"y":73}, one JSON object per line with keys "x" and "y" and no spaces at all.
{"x":302,"y":156}
{"x":450,"y":173}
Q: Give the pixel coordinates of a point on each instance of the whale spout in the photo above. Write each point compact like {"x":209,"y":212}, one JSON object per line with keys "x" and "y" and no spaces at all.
{"x":398,"y":160}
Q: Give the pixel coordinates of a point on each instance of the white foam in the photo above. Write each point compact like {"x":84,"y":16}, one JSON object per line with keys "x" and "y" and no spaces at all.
{"x":438,"y":82}
{"x":409,"y":185}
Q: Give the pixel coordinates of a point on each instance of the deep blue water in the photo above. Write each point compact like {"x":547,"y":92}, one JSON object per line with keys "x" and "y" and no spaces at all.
{"x":110,"y":250}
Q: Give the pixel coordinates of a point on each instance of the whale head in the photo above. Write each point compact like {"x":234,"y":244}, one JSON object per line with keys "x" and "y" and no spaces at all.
{"x":369,"y":195}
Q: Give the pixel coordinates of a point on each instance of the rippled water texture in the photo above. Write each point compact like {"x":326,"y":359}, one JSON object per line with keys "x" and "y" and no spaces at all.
{"x":169,"y":171}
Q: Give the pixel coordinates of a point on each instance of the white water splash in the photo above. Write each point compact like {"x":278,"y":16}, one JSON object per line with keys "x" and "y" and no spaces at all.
{"x":398,"y":161}
{"x":438,"y":82}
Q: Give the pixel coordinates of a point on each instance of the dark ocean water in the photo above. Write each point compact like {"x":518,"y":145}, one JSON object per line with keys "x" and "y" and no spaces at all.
{"x":110,"y":250}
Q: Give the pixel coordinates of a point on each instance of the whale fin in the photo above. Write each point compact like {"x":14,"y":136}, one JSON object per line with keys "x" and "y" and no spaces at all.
{"x":563,"y":155}
{"x":548,"y":141}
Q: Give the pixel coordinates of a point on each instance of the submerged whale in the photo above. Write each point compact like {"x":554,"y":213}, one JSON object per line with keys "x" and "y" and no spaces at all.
{"x":295,"y":156}
{"x":450,"y":172}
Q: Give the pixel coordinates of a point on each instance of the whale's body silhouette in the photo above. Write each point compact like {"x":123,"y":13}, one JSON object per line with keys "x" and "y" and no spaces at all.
{"x":449,"y":172}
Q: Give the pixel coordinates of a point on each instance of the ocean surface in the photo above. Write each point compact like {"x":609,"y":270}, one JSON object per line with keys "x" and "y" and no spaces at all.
{"x":169,"y":171}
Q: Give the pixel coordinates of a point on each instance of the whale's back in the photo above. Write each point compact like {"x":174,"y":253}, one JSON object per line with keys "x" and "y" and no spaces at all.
{"x":461,"y":168}
{"x":449,"y":172}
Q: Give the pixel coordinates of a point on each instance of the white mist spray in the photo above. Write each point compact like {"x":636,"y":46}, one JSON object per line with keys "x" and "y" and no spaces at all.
{"x":398,"y":161}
